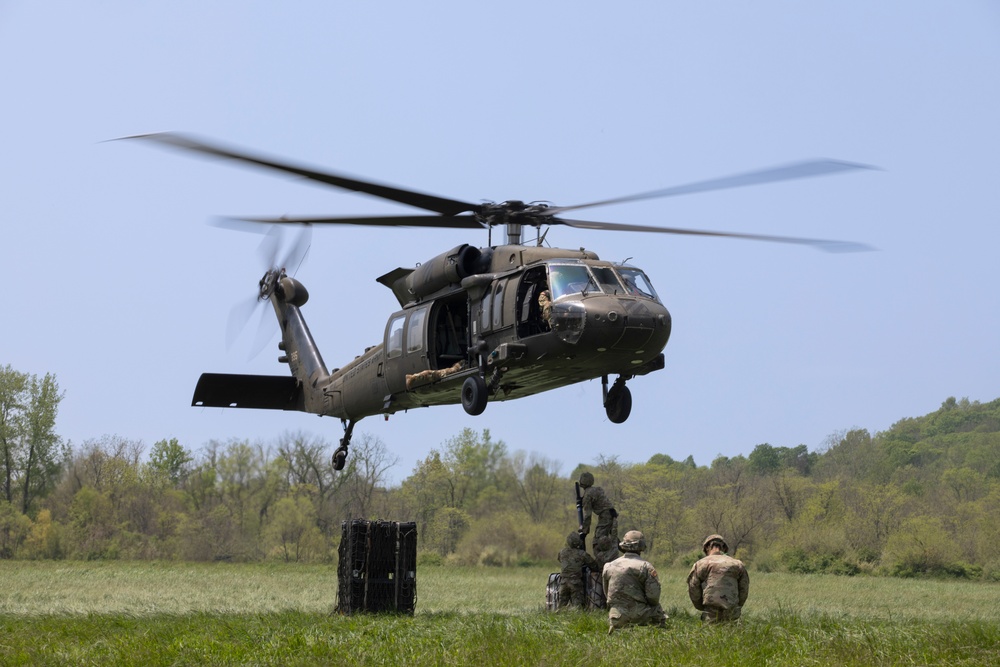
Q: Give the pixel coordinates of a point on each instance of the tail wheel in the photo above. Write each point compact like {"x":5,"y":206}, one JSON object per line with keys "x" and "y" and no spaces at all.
{"x":619,"y":403}
{"x":474,"y":395}
{"x":339,"y":459}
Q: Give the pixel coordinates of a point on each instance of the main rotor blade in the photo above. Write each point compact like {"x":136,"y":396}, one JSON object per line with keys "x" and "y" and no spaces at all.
{"x":427,"y":202}
{"x":448,"y":221}
{"x":821,"y":244}
{"x":788,"y":172}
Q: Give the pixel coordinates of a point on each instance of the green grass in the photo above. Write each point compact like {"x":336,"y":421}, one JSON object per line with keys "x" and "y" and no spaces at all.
{"x":67,"y":613}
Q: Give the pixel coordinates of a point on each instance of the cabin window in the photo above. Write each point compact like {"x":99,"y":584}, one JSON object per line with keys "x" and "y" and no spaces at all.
{"x":484,"y":315}
{"x":415,"y":331}
{"x":394,"y":339}
{"x":498,"y":304}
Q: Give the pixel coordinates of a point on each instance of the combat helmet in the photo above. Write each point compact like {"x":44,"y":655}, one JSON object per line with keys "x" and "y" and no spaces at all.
{"x":633,"y":542}
{"x":574,"y":540}
{"x":586,"y":479}
{"x":714,"y":538}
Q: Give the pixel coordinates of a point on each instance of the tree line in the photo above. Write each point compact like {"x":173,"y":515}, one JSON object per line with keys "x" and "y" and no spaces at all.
{"x":917,"y":499}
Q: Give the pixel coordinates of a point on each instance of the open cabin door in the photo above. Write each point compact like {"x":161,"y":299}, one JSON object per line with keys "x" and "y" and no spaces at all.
{"x":448,"y":331}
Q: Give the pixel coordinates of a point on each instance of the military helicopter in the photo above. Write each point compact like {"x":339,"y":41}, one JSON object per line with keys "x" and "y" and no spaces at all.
{"x":474,"y":324}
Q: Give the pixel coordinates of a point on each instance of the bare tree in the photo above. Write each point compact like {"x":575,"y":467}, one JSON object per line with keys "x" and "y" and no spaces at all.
{"x":371,"y":461}
{"x":308,"y":462}
{"x":537,"y":483}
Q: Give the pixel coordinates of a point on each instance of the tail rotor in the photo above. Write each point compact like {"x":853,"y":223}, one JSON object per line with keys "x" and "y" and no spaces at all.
{"x":276,"y":258}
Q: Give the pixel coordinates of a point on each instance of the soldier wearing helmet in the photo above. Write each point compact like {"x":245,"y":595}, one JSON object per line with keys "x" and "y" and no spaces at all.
{"x":632,"y":586}
{"x":595,"y":501}
{"x":718,"y":584}
{"x":573,"y":559}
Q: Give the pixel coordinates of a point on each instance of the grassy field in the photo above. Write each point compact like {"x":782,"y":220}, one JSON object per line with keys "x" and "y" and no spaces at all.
{"x":68,"y":613}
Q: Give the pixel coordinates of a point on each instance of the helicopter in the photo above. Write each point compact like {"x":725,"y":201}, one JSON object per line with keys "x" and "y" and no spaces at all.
{"x":475,"y":324}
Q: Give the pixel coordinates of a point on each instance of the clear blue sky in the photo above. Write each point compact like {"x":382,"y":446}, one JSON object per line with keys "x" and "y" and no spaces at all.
{"x":115,"y":283}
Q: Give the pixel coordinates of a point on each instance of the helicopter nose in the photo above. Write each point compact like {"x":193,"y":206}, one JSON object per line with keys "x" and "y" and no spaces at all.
{"x":637,"y":327}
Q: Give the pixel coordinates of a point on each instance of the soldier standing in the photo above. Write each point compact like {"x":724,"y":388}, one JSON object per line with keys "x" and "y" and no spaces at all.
{"x":572,"y":561}
{"x":606,"y":547}
{"x":632,"y":587}
{"x":595,"y":501}
{"x":718,"y":584}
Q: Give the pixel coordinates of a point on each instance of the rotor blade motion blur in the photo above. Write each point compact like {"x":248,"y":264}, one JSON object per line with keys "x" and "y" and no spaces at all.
{"x":291,"y":259}
{"x":427,"y":202}
{"x":788,"y":172}
{"x":514,"y":214}
{"x":448,"y":221}
{"x":821,"y":244}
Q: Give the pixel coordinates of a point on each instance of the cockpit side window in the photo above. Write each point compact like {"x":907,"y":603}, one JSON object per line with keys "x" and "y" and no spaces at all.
{"x":637,"y":283}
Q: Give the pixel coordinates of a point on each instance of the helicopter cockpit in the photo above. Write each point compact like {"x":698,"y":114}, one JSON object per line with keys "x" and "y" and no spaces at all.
{"x":579,"y":278}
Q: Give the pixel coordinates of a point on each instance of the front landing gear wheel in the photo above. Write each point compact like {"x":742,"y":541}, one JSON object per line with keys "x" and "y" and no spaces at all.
{"x":619,"y":403}
{"x":474,"y":395}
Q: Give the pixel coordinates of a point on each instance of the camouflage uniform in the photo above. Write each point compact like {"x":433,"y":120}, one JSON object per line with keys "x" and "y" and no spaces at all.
{"x":595,"y":501}
{"x":572,"y":560}
{"x":545,"y":304}
{"x":606,"y":547}
{"x":632,"y":587}
{"x":718,"y":585}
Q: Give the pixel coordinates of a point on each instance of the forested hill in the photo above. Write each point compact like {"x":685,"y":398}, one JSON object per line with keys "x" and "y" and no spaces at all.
{"x":918,"y":498}
{"x":960,"y":435}
{"x":962,"y":416}
{"x":959,"y":440}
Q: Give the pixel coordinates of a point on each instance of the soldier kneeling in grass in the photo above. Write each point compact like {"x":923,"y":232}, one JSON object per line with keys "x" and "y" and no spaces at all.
{"x":573,"y":560}
{"x":718,"y":584}
{"x":632,"y":587}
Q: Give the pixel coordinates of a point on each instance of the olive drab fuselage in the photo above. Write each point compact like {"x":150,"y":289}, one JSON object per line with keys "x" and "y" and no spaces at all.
{"x":490,"y":324}
{"x":468,"y":313}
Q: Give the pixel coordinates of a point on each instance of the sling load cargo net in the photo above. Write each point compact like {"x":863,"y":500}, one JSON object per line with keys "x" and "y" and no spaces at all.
{"x":377,"y":568}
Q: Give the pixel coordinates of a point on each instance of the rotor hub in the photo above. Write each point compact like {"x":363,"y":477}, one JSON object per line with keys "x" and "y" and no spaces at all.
{"x":267,"y":284}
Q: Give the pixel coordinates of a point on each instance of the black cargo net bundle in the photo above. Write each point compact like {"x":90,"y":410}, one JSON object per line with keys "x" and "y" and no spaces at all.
{"x":593,"y":587}
{"x":377,"y":569}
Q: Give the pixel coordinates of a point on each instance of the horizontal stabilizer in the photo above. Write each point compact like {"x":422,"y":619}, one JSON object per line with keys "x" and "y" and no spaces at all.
{"x":262,"y":392}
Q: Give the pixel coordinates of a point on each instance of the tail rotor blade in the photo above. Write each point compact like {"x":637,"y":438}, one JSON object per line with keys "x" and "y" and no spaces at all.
{"x":270,"y":246}
{"x":265,"y":332}
{"x":297,"y":253}
{"x":238,"y":318}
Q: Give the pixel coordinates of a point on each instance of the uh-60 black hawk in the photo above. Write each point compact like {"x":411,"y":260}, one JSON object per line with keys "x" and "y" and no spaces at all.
{"x":476,"y":324}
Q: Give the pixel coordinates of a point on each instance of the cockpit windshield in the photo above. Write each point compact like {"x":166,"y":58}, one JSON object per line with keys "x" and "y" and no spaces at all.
{"x":570,"y":279}
{"x":565,"y":279}
{"x":607,"y":279}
